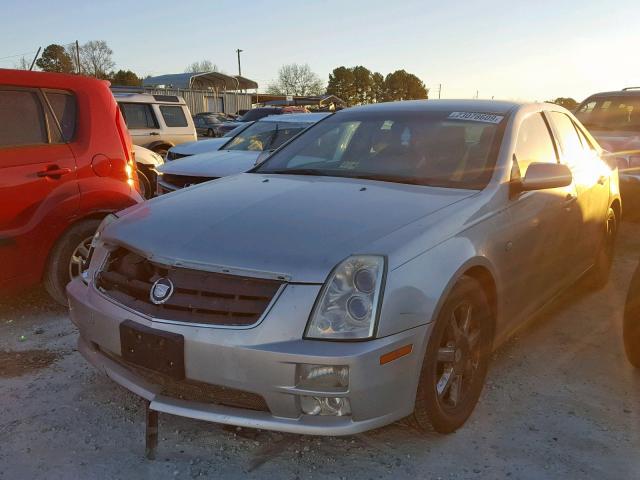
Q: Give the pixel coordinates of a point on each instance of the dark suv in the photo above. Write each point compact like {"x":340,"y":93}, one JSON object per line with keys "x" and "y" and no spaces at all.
{"x":614,"y":119}
{"x":66,"y":161}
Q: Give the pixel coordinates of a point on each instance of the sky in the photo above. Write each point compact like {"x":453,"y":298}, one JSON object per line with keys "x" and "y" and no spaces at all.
{"x":518,"y":50}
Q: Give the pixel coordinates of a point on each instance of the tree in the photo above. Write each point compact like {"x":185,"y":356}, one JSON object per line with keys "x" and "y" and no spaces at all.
{"x":95,"y":59}
{"x":378,"y":89}
{"x":358,"y":85}
{"x":566,"y":102}
{"x":22,"y":64}
{"x":203,"y":66}
{"x":295,"y":79}
{"x":54,"y":58}
{"x":362,"y":83}
{"x":342,"y":84}
{"x":125,"y":78}
{"x":401,"y":85}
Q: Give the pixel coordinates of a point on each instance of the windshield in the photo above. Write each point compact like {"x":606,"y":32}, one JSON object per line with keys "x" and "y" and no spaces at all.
{"x":258,"y":113}
{"x":235,"y":129}
{"x":448,"y":149}
{"x":265,"y":136}
{"x":611,"y":113}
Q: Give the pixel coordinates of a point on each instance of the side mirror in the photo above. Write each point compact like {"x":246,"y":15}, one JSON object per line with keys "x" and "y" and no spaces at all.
{"x":541,"y":176}
{"x":262,"y":157}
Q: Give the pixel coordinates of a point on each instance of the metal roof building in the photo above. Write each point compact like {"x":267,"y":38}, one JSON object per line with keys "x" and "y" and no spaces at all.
{"x":205,"y":91}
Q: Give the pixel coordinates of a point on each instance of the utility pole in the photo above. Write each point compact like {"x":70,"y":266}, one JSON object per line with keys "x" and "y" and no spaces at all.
{"x":239,"y":69}
{"x":439,"y":90}
{"x":78,"y":57}
{"x":35,"y":58}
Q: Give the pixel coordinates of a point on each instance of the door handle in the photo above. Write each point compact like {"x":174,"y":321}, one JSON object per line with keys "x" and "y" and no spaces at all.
{"x":154,"y":133}
{"x":54,"y":171}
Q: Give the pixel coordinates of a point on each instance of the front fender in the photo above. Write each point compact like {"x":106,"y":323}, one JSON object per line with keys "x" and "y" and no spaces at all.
{"x":416,"y":290}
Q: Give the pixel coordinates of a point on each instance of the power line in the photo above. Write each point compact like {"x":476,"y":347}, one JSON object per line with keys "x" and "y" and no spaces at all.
{"x":18,"y":55}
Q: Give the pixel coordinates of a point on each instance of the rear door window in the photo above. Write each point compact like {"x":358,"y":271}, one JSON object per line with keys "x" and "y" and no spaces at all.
{"x":64,"y":107}
{"x":21,"y":119}
{"x":138,"y":115}
{"x":173,"y":116}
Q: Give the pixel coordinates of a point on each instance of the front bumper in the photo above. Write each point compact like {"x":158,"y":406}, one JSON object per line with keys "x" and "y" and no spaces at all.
{"x":261,"y":360}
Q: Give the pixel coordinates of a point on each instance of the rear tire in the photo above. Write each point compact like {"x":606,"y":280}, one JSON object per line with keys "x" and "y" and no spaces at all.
{"x":456,"y":361}
{"x":64,"y":258}
{"x":598,"y":276}
{"x":631,"y":324}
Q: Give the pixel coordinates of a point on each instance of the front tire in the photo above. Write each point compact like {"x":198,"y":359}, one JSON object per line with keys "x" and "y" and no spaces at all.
{"x":456,"y":361}
{"x":66,"y":258}
{"x":145,"y":185}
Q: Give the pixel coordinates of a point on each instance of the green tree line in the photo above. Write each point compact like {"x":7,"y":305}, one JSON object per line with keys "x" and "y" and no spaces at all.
{"x":359,"y":85}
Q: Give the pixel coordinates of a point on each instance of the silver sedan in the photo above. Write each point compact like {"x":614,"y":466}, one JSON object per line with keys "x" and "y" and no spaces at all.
{"x":362,"y":274}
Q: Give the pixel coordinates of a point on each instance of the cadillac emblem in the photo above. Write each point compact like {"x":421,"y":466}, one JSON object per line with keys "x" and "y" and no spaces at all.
{"x":161,"y":291}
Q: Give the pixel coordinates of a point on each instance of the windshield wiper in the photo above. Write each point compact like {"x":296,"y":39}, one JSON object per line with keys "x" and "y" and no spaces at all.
{"x":387,"y":178}
{"x":297,"y":171}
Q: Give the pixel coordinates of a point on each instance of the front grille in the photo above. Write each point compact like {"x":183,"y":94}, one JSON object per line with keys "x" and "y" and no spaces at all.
{"x":194,"y":391}
{"x":198,"y":297}
{"x":182,"y":181}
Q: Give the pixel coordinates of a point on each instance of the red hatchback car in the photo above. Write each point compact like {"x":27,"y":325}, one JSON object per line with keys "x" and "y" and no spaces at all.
{"x":66,"y":161}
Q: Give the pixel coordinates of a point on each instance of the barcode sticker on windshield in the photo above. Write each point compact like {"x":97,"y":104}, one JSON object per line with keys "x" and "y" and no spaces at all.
{"x":476,"y":117}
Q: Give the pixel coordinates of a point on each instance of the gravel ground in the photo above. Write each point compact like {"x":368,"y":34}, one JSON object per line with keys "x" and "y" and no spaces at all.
{"x":560,"y":402}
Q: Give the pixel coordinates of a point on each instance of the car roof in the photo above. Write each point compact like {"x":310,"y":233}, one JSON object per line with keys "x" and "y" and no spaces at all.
{"x":29,"y":78}
{"x":625,"y":92}
{"x":489,"y":106}
{"x":296,"y":117}
{"x":149,"y":98}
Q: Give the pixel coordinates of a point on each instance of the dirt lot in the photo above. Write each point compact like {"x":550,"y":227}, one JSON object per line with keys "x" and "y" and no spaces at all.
{"x":561,"y":402}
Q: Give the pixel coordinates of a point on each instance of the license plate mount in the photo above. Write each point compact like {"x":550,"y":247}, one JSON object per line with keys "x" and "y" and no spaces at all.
{"x":154,"y":349}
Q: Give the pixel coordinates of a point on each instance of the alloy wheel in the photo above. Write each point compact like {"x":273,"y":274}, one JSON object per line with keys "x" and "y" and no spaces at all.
{"x":458,"y":357}
{"x":78,"y":258}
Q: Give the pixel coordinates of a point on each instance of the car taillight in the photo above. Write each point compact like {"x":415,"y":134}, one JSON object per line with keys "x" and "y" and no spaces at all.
{"x":130,"y":156}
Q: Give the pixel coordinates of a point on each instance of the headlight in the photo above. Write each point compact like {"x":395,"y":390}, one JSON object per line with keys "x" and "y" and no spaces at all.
{"x":94,"y":242}
{"x":159,"y":160}
{"x":347,"y":306}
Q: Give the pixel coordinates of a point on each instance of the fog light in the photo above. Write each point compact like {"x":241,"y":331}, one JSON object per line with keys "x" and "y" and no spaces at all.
{"x":323,"y":378}
{"x":336,"y":406}
{"x":310,"y":405}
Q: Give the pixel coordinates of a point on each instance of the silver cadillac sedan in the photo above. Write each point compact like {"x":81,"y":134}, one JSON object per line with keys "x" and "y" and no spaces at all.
{"x":360,"y":275}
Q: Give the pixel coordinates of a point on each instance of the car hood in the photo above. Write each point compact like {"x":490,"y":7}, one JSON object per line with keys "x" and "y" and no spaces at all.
{"x":298,"y":227}
{"x":147,"y":157}
{"x":617,"y":141}
{"x":201,"y":146}
{"x":212,"y":164}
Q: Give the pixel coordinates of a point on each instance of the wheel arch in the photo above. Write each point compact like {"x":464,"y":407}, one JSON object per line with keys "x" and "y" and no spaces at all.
{"x":481,"y":270}
{"x":95,"y":215}
{"x":160,"y":143}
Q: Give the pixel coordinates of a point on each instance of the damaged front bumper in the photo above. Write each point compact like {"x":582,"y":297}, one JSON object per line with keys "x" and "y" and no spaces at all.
{"x":263,"y":361}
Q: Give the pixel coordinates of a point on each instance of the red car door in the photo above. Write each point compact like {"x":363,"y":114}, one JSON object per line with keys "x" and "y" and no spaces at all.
{"x":39,"y":192}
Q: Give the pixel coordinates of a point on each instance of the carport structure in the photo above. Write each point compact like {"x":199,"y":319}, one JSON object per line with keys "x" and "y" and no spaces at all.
{"x":205,"y":91}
